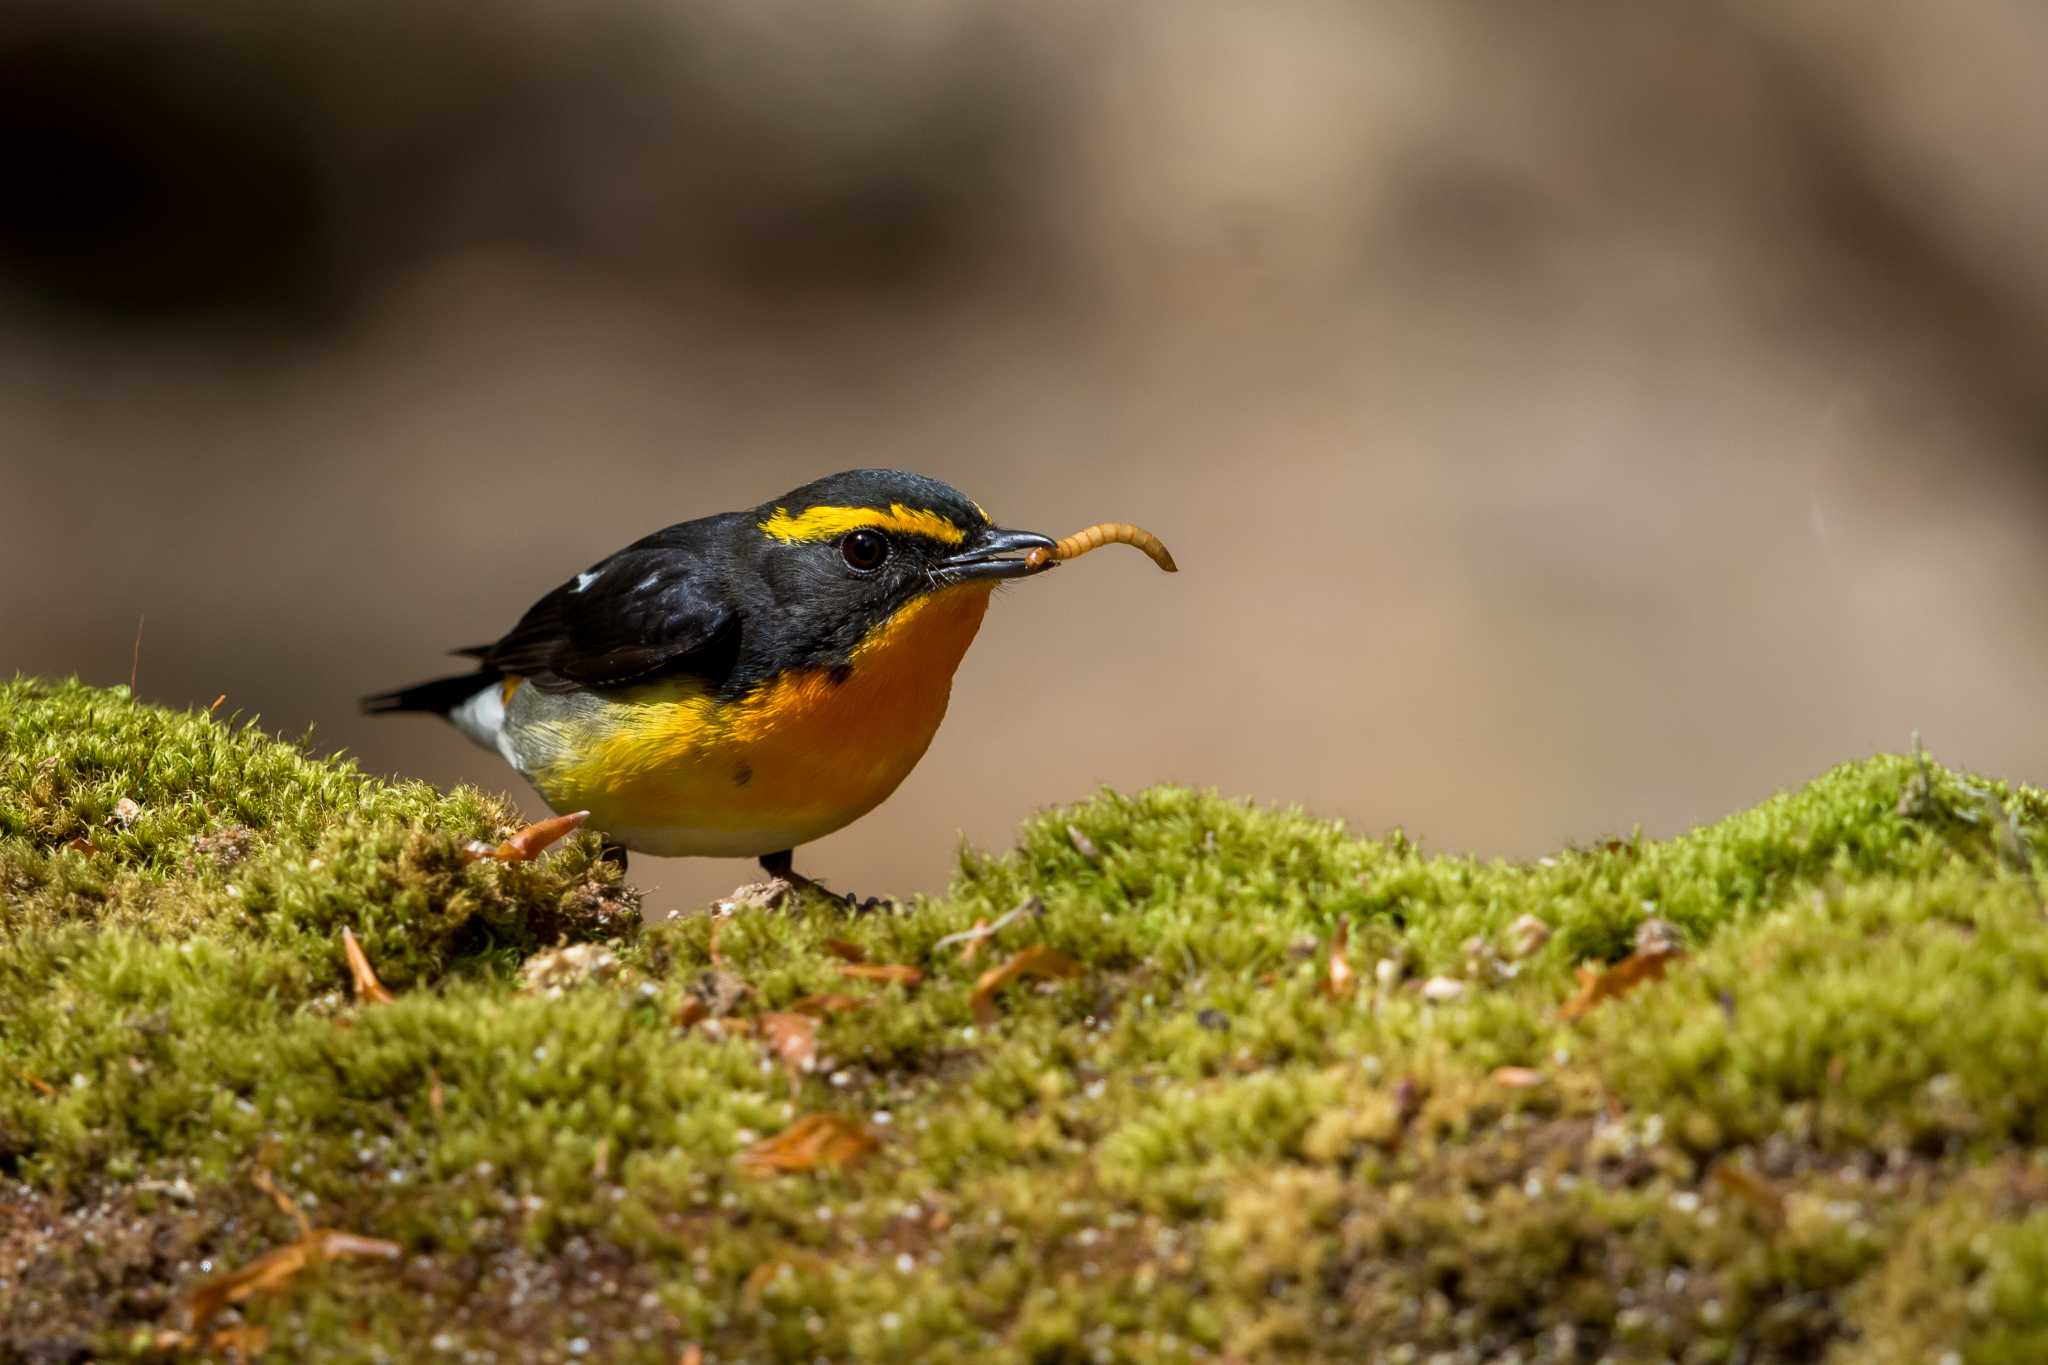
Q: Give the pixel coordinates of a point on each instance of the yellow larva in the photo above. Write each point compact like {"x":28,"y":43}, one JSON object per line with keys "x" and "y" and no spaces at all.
{"x":1106,"y":533}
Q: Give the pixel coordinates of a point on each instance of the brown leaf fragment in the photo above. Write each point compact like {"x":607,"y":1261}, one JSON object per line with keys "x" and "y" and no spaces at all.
{"x":437,"y":1094}
{"x":1037,"y":960}
{"x":813,"y":1141}
{"x":845,"y":951}
{"x":34,"y":1082}
{"x":827,"y":1003}
{"x":1624,"y":976}
{"x":243,"y":1340}
{"x":368,"y":989}
{"x":529,"y":843}
{"x":888,"y":972}
{"x":1751,"y":1188}
{"x":217,"y":702}
{"x":754,"y":1288}
{"x":1083,"y":845}
{"x":81,"y":844}
{"x":1518,"y":1077}
{"x":274,"y":1270}
{"x":261,"y":1179}
{"x":1341,"y":979}
{"x":794,"y":1039}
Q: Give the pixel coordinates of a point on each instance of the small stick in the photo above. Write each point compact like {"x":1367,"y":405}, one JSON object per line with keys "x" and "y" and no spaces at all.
{"x":1033,"y":906}
{"x":1101,"y":534}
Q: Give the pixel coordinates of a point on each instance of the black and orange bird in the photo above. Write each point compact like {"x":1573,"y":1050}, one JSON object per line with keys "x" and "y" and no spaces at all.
{"x":744,"y":683}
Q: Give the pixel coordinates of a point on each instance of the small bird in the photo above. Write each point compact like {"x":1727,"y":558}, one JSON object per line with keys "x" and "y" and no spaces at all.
{"x":744,"y":683}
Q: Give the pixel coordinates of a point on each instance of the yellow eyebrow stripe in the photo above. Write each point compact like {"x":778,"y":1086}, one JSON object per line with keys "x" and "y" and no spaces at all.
{"x":828,"y":523}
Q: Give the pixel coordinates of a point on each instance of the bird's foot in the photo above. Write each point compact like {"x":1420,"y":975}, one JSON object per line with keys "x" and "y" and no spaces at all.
{"x":779,"y":866}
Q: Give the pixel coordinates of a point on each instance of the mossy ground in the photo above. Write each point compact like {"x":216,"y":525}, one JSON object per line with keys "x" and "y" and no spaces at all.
{"x":1817,"y":1136}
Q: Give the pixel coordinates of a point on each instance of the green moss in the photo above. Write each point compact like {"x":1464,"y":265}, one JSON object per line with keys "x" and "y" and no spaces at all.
{"x":1191,"y":1148}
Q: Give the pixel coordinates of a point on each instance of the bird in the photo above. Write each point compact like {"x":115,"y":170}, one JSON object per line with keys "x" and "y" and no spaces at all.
{"x":742,"y":684}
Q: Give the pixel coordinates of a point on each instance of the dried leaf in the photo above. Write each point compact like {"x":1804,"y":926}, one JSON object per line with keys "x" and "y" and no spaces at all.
{"x":1083,"y":845}
{"x":260,"y":1178}
{"x":81,"y":844}
{"x":275,"y":1269}
{"x":1624,"y":976}
{"x":1037,"y":960}
{"x":1341,"y":978}
{"x":828,"y":1002}
{"x":369,"y":990}
{"x":217,"y":703}
{"x":243,"y":1339}
{"x":34,"y":1082}
{"x":529,"y":843}
{"x":1518,"y":1077}
{"x":813,"y":1141}
{"x":754,"y":1288}
{"x":901,"y":975}
{"x":1751,"y":1188}
{"x":794,"y":1037}
{"x":844,"y":951}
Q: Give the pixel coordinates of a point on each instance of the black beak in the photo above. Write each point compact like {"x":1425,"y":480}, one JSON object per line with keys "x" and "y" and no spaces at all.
{"x":996,"y":553}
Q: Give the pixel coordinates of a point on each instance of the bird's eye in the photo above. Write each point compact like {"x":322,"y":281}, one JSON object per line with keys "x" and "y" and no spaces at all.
{"x":864,"y":550}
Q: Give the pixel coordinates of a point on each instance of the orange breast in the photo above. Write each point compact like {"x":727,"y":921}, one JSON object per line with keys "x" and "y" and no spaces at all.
{"x":669,"y":769}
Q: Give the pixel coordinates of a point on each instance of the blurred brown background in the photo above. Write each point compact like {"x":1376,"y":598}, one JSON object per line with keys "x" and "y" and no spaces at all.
{"x":1566,"y":416}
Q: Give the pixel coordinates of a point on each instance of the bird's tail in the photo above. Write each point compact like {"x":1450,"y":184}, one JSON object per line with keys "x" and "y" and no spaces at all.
{"x":439,"y":696}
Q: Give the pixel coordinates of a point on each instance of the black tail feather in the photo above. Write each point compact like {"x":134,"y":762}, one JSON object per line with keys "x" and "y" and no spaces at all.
{"x":440,"y":696}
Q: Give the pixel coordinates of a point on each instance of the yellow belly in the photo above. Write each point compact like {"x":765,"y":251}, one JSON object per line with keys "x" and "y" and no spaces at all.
{"x":667,"y":769}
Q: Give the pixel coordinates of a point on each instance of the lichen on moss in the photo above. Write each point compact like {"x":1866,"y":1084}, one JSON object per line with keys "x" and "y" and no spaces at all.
{"x":1816,"y":1134}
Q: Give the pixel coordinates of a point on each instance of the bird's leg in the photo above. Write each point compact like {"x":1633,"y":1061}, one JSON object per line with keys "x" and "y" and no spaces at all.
{"x":781,"y":866}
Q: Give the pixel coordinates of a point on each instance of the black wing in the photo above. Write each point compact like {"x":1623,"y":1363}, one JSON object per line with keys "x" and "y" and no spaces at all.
{"x":664,"y":604}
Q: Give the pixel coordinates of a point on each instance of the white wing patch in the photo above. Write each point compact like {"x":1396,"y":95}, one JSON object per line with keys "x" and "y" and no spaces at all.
{"x":585,"y":579}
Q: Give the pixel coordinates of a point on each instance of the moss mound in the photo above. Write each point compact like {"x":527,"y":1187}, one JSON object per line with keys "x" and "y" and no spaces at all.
{"x":1815,"y":1135}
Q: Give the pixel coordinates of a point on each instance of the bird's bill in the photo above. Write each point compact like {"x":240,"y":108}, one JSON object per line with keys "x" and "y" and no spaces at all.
{"x":997,"y":553}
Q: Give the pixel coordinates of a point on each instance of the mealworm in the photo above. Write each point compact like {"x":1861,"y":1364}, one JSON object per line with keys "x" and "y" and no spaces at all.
{"x":1101,"y":534}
